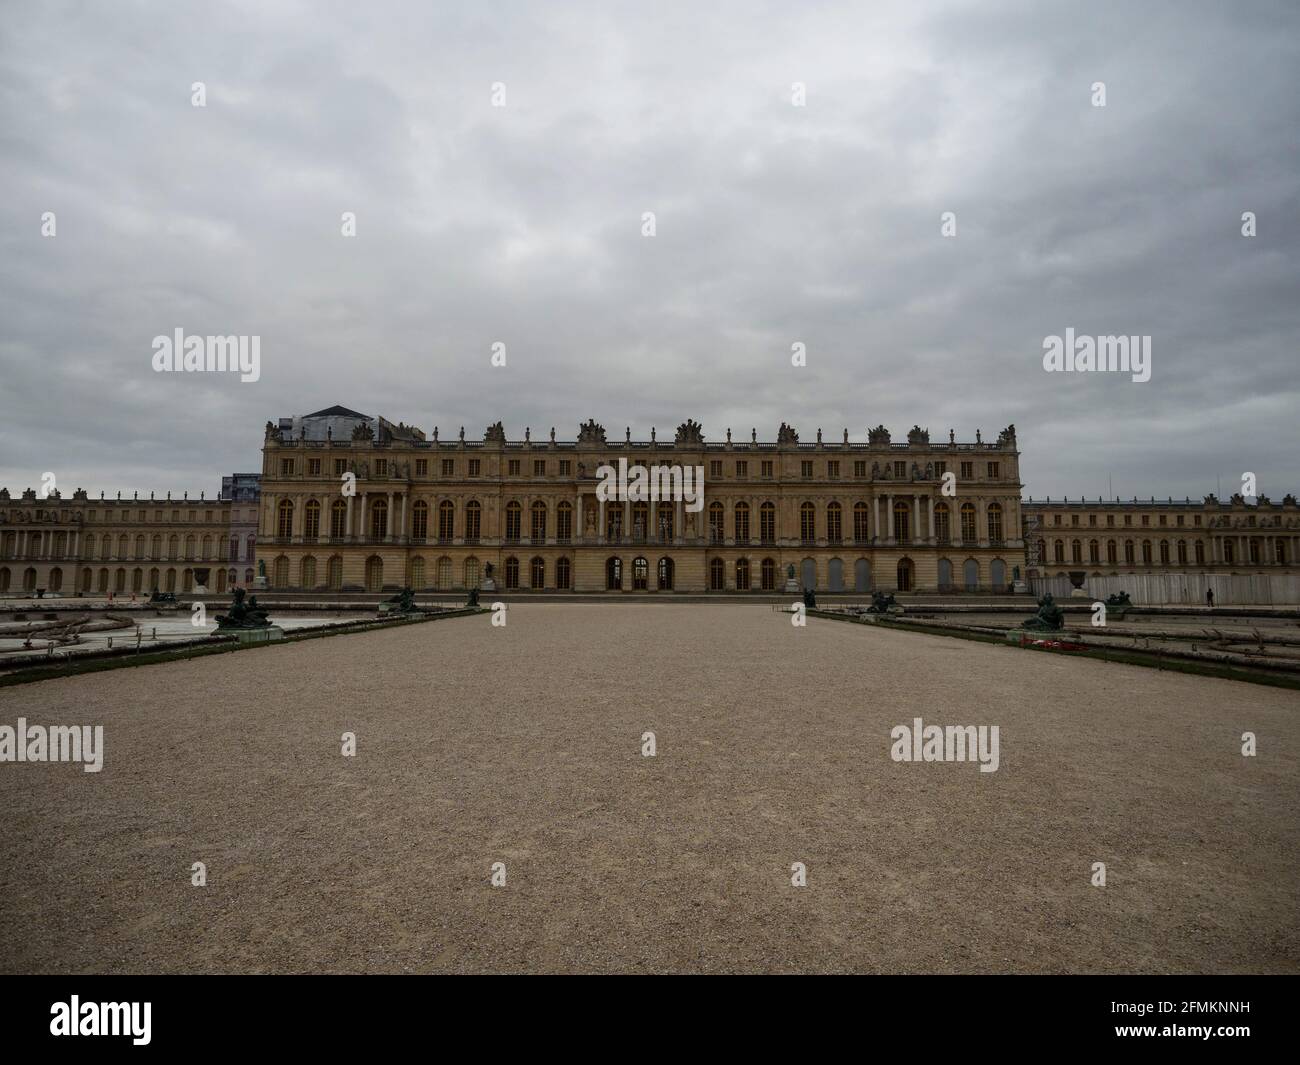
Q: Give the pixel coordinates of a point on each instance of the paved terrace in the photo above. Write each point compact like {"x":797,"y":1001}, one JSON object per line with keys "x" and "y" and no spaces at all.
{"x":522,"y":745}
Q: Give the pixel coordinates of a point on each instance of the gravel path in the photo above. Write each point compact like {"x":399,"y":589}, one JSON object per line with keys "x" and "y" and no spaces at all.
{"x":522,"y":745}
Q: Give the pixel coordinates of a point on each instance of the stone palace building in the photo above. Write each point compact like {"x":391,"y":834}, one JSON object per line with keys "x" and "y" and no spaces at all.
{"x":346,"y":502}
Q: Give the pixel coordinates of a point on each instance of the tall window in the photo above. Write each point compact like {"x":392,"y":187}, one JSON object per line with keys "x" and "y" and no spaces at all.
{"x":717,"y":575}
{"x":512,"y":572}
{"x":767,"y":523}
{"x":995,"y":522}
{"x":563,"y":571}
{"x":338,"y":520}
{"x":473,"y":521}
{"x":1128,"y":553}
{"x":446,"y":520}
{"x":420,"y":520}
{"x":514,"y":513}
{"x":563,"y":526}
{"x":311,"y":520}
{"x":665,"y":574}
{"x":807,"y":523}
{"x":537,"y":573}
{"x":640,"y":574}
{"x":1076,"y":551}
{"x":742,"y":574}
{"x":1112,"y":553}
{"x":717,"y":516}
{"x":284,"y":519}
{"x":768,"y":572}
{"x":742,"y":523}
{"x":379,"y":519}
{"x":665,"y":525}
{"x":861,"y":523}
{"x":539,"y":522}
{"x":834,"y":523}
{"x":942,"y":523}
{"x":968,"y":525}
{"x":1094,"y":551}
{"x":902,"y":523}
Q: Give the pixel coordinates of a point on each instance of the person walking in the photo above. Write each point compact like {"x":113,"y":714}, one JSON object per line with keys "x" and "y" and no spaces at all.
{"x":1209,"y":598}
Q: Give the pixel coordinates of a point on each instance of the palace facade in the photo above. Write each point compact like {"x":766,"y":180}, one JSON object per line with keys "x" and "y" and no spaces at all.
{"x":352,"y":502}
{"x":347,"y":502}
{"x":127,"y":547}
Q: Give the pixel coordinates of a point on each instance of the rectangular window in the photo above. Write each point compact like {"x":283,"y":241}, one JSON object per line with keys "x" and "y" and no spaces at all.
{"x":566,"y":467}
{"x":512,"y":468}
{"x":940,"y":468}
{"x":340,"y":467}
{"x":833,"y":469}
{"x":715,"y":468}
{"x":422,"y":467}
{"x":539,"y":467}
{"x":859,"y":468}
{"x":767,"y":470}
{"x":449,"y":467}
{"x":993,"y":471}
{"x":286,"y":467}
{"x":381,"y":467}
{"x":313,"y":467}
{"x":742,"y":469}
{"x":473,"y":467}
{"x":968,"y":471}
{"x":539,"y":524}
{"x":900,"y":469}
{"x":446,"y":519}
{"x":564,"y":524}
{"x":805,"y":469}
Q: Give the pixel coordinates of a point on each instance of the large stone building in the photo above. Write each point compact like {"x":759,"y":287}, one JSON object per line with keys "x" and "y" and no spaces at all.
{"x":354,"y":502}
{"x":80,"y":545}
{"x":1115,"y":538}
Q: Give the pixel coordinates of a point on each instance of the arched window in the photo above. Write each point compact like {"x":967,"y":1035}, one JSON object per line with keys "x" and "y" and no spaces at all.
{"x":379,"y":521}
{"x":943,"y":526}
{"x":446,"y":521}
{"x":444,"y":573}
{"x":665,"y":574}
{"x":717,"y":529}
{"x":471,"y":572}
{"x":1058,"y":550}
{"x":905,"y":575}
{"x":512,"y":572}
{"x":338,"y":521}
{"x":563,"y":526}
{"x":311,"y":520}
{"x":335,"y":577}
{"x":717,"y":575}
{"x":563,"y":573}
{"x":284,"y":519}
{"x":139,"y":546}
{"x":1182,"y":552}
{"x":420,"y":521}
{"x":613,"y":574}
{"x":1164,"y":552}
{"x":234,"y":549}
{"x":902,"y":522}
{"x":87,"y":550}
{"x":768,"y":571}
{"x":1094,"y":552}
{"x":807,"y":523}
{"x":1229,"y":551}
{"x":741,"y":519}
{"x":514,"y":514}
{"x":206,"y":551}
{"x":1128,"y":553}
{"x":995,"y":523}
{"x":1076,"y":550}
{"x":307,"y":569}
{"x":473,"y":521}
{"x":537,"y":574}
{"x":1112,"y":552}
{"x":1146,"y":552}
{"x":767,"y":523}
{"x":861,"y":523}
{"x":834,"y":523}
{"x":189,"y":547}
{"x":280,"y":573}
{"x":1200,"y":553}
{"x":664,"y":525}
{"x":417,"y":581}
{"x":742,"y":574}
{"x":374,"y":574}
{"x":538,"y":532}
{"x":968,"y":527}
{"x":640,"y":574}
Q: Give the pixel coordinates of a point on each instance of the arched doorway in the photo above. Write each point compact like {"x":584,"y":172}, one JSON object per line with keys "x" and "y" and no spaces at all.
{"x":945,"y":575}
{"x":809,"y":574}
{"x":640,"y":574}
{"x":906,"y":577}
{"x":862,"y":575}
{"x":717,"y":575}
{"x":613,"y":574}
{"x":971,"y":575}
{"x":374,"y":574}
{"x":665,"y":574}
{"x":835,"y":576}
{"x":998,"y":575}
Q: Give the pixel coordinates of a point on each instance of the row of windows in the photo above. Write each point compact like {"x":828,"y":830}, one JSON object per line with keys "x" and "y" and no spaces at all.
{"x":117,"y":517}
{"x":56,"y":545}
{"x":377,"y":520}
{"x":1167,"y":552}
{"x":444,"y":574}
{"x":120,"y":581}
{"x":314,"y":467}
{"x":1075,"y":519}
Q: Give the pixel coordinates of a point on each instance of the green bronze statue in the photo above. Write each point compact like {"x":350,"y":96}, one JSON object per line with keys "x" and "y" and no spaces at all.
{"x":1050,"y":617}
{"x":243,"y":615}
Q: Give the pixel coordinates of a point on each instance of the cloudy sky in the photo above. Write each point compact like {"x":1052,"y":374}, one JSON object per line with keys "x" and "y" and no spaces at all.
{"x":775,"y":225}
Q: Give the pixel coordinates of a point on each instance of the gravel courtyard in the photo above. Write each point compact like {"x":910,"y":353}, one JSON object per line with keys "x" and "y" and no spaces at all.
{"x":522,"y":745}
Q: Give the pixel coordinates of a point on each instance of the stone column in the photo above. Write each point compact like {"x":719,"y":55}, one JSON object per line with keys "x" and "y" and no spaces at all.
{"x":362,"y":531}
{"x":600,"y":523}
{"x":982,"y":529}
{"x":875,"y":529}
{"x":392,"y":516}
{"x":916,"y":513}
{"x":934,"y":536}
{"x":351,"y":526}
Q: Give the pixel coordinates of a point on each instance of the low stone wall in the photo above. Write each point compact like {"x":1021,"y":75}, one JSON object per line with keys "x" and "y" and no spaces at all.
{"x":1183,"y":588}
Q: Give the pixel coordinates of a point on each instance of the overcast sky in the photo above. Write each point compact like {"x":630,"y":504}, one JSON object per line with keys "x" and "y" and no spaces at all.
{"x":775,"y":224}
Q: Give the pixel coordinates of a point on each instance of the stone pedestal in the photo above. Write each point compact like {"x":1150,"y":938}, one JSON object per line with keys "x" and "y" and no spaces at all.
{"x":792,"y":585}
{"x":259,"y":584}
{"x":267,"y":635}
{"x":489,"y":585}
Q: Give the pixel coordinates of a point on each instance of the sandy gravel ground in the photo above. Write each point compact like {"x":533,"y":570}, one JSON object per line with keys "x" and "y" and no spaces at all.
{"x":522,"y":745}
